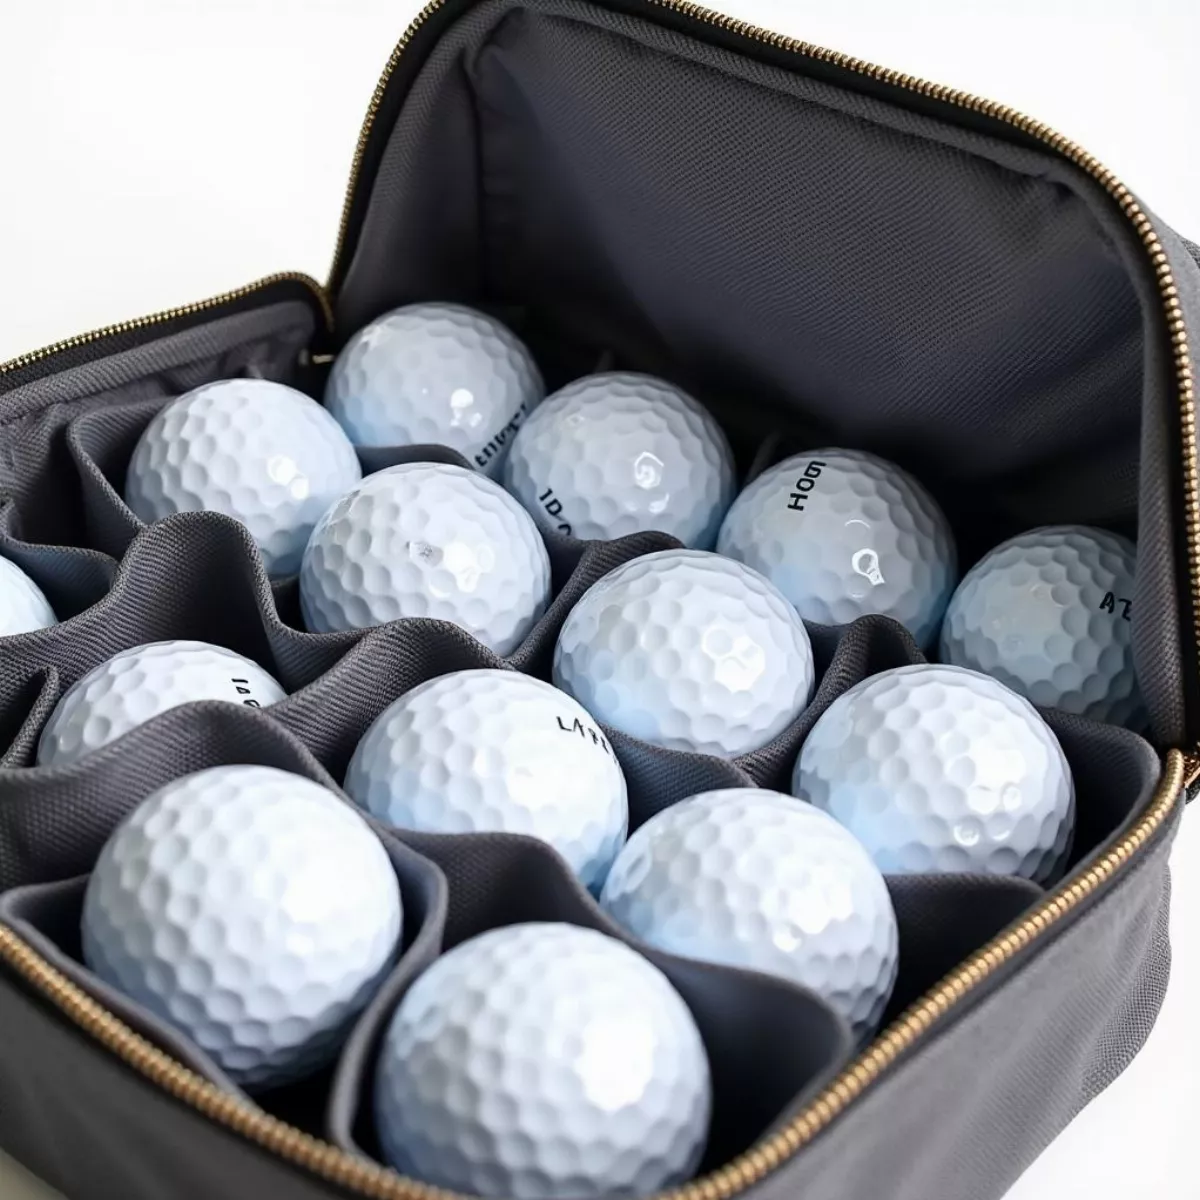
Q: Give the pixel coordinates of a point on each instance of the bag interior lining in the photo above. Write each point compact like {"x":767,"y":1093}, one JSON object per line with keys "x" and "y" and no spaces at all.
{"x":808,"y":261}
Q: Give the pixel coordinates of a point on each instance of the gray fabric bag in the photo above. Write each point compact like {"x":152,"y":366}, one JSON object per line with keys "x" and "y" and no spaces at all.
{"x":824,"y":252}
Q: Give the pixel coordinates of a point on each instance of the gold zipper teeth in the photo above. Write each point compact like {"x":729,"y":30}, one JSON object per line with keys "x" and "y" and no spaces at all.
{"x":172,"y":314}
{"x":372,"y":1180}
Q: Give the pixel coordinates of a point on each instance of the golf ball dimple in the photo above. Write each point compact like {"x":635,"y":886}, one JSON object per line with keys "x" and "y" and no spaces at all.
{"x":427,"y":540}
{"x":23,"y":606}
{"x":543,"y":1062}
{"x":137,"y":684}
{"x":844,"y":534}
{"x":620,"y":453}
{"x":755,"y":879}
{"x":937,"y":769}
{"x":1048,"y":613}
{"x":435,"y":373}
{"x":259,"y":452}
{"x":495,"y":751}
{"x":253,"y":910}
{"x":687,"y":650}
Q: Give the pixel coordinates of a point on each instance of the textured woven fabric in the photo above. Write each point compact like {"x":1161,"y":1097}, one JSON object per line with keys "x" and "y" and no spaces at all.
{"x":817,"y":265}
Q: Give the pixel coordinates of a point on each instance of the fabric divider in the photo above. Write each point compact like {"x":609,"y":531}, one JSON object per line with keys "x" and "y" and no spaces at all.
{"x":658,"y":777}
{"x":38,"y":470}
{"x":101,"y":445}
{"x":164,"y":590}
{"x":771,"y":1043}
{"x":54,"y":820}
{"x":943,"y":920}
{"x":768,"y":1040}
{"x":1115,"y":773}
{"x":30,"y":702}
{"x":48,"y":916}
{"x":73,"y":578}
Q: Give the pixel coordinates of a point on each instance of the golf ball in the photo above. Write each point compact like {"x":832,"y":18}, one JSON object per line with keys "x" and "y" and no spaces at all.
{"x":616,"y":454}
{"x":137,"y":684}
{"x":495,"y":751}
{"x":427,"y":540}
{"x":253,"y":910}
{"x":257,"y":451}
{"x":23,"y":607}
{"x":543,"y":1062}
{"x":687,"y":650}
{"x":755,"y":879}
{"x":842,"y":534}
{"x":1048,"y":613}
{"x":939,"y":769}
{"x":435,"y":373}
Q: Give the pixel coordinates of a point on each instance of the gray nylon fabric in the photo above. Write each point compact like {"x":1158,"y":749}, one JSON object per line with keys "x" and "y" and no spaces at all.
{"x":977,"y":311}
{"x":971,"y":309}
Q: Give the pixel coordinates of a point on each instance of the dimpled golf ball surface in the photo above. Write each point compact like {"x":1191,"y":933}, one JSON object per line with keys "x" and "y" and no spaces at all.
{"x":140,"y":683}
{"x":23,"y":607}
{"x":496,"y":751}
{"x":755,"y":879}
{"x":941,"y":770}
{"x":435,"y":373}
{"x":250,"y":908}
{"x":427,"y":540}
{"x":842,"y":534}
{"x":616,"y":454}
{"x":689,"y":651}
{"x":1048,"y":614}
{"x":257,"y":451}
{"x":543,"y":1062}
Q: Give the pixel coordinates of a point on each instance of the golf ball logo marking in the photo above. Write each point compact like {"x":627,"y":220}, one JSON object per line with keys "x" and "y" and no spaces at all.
{"x":143,"y":681}
{"x":589,"y":733}
{"x":439,"y":374}
{"x":845,"y":534}
{"x":804,"y":485}
{"x":490,"y":455}
{"x":620,"y":453}
{"x":554,"y":510}
{"x":1049,"y":613}
{"x":1110,"y":602}
{"x":495,"y":751}
{"x":242,"y":688}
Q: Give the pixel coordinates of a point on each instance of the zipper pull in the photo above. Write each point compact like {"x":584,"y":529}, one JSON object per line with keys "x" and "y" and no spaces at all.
{"x":1191,"y":770}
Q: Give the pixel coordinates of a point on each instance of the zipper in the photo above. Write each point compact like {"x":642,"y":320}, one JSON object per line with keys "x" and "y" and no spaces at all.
{"x":168,"y":316}
{"x":372,"y":1180}
{"x":1179,"y":770}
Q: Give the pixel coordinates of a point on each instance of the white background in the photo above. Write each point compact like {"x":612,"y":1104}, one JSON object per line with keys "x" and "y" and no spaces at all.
{"x":153,"y":152}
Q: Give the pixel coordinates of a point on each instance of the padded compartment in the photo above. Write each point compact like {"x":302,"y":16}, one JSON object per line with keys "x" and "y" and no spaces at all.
{"x":768,"y":1041}
{"x":809,"y":259}
{"x":164,"y":589}
{"x":42,"y":896}
{"x":36,"y":469}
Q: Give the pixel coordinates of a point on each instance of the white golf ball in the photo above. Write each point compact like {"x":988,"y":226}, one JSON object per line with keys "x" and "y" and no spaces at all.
{"x":936,"y":769}
{"x":543,"y":1062}
{"x":259,"y":452}
{"x":842,"y":534}
{"x":137,"y":684}
{"x":252,"y":909}
{"x":427,"y":540}
{"x":495,"y":751}
{"x":619,"y":453}
{"x":435,"y":373}
{"x":1049,"y":614}
{"x":687,"y":650}
{"x":755,"y":879}
{"x":23,"y":606}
